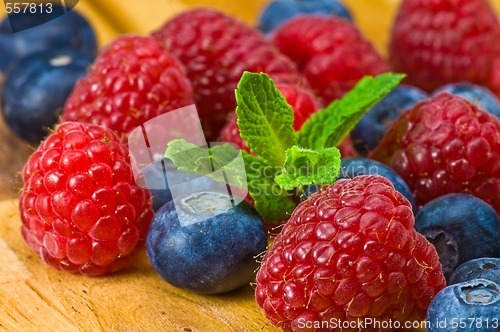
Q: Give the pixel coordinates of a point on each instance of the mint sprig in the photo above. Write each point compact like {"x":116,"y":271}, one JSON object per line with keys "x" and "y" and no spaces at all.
{"x":264,"y":117}
{"x":283,"y":160}
{"x":331,"y":125}
{"x":271,"y":201}
{"x":303,"y":167}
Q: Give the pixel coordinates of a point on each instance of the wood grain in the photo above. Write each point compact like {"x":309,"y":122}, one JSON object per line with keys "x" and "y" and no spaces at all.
{"x":36,"y":297}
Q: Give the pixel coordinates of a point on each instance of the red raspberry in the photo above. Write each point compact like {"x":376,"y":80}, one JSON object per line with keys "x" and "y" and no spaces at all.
{"x":331,"y":52}
{"x":132,"y":80}
{"x":81,"y":210}
{"x":333,"y":74}
{"x":349,"y":252}
{"x":216,"y":49}
{"x":445,"y":144}
{"x":444,"y":41}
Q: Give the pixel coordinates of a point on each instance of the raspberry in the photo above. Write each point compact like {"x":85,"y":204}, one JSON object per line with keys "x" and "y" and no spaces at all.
{"x":445,"y":41}
{"x":347,"y":149}
{"x":349,"y":252}
{"x":216,"y":49}
{"x":445,"y":144}
{"x":333,"y":74}
{"x":305,"y":36}
{"x":81,"y":210}
{"x":132,"y":80}
{"x":330,"y":51}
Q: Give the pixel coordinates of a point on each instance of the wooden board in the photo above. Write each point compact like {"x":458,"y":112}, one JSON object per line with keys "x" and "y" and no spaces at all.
{"x":36,"y":297}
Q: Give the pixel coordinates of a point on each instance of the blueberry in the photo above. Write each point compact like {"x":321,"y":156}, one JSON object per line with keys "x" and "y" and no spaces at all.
{"x":461,"y":227}
{"x":156,"y":180}
{"x":468,"y":306}
{"x":279,"y":11}
{"x":479,"y":95}
{"x":373,"y":125}
{"x":36,"y":88}
{"x":211,"y":256}
{"x":351,"y":167}
{"x":480,"y":268}
{"x":70,"y":30}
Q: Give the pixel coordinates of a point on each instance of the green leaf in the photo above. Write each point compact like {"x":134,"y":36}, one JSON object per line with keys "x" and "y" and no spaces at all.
{"x":264,"y":118}
{"x":304,"y":167}
{"x":191,"y":158}
{"x":330,"y":126}
{"x":271,"y":201}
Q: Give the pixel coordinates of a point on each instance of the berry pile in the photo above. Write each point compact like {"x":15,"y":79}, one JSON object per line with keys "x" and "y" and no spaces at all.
{"x":378,"y":238}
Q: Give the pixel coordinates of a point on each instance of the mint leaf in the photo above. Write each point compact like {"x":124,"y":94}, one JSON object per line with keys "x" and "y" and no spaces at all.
{"x":331,"y":125}
{"x":191,"y":158}
{"x":264,"y":117}
{"x":271,"y":201}
{"x":305,"y":167}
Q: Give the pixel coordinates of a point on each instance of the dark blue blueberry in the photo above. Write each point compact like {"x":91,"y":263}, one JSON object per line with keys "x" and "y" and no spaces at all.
{"x":70,"y":30}
{"x":279,"y":11}
{"x":373,"y":125}
{"x":480,"y":268}
{"x":479,"y":95}
{"x":461,"y":227}
{"x":351,"y":167}
{"x":472,"y":306}
{"x":203,"y":244}
{"x":36,"y":89}
{"x":156,"y":180}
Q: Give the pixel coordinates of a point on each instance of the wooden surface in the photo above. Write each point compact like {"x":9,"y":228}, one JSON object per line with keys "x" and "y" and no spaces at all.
{"x":36,"y":297}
